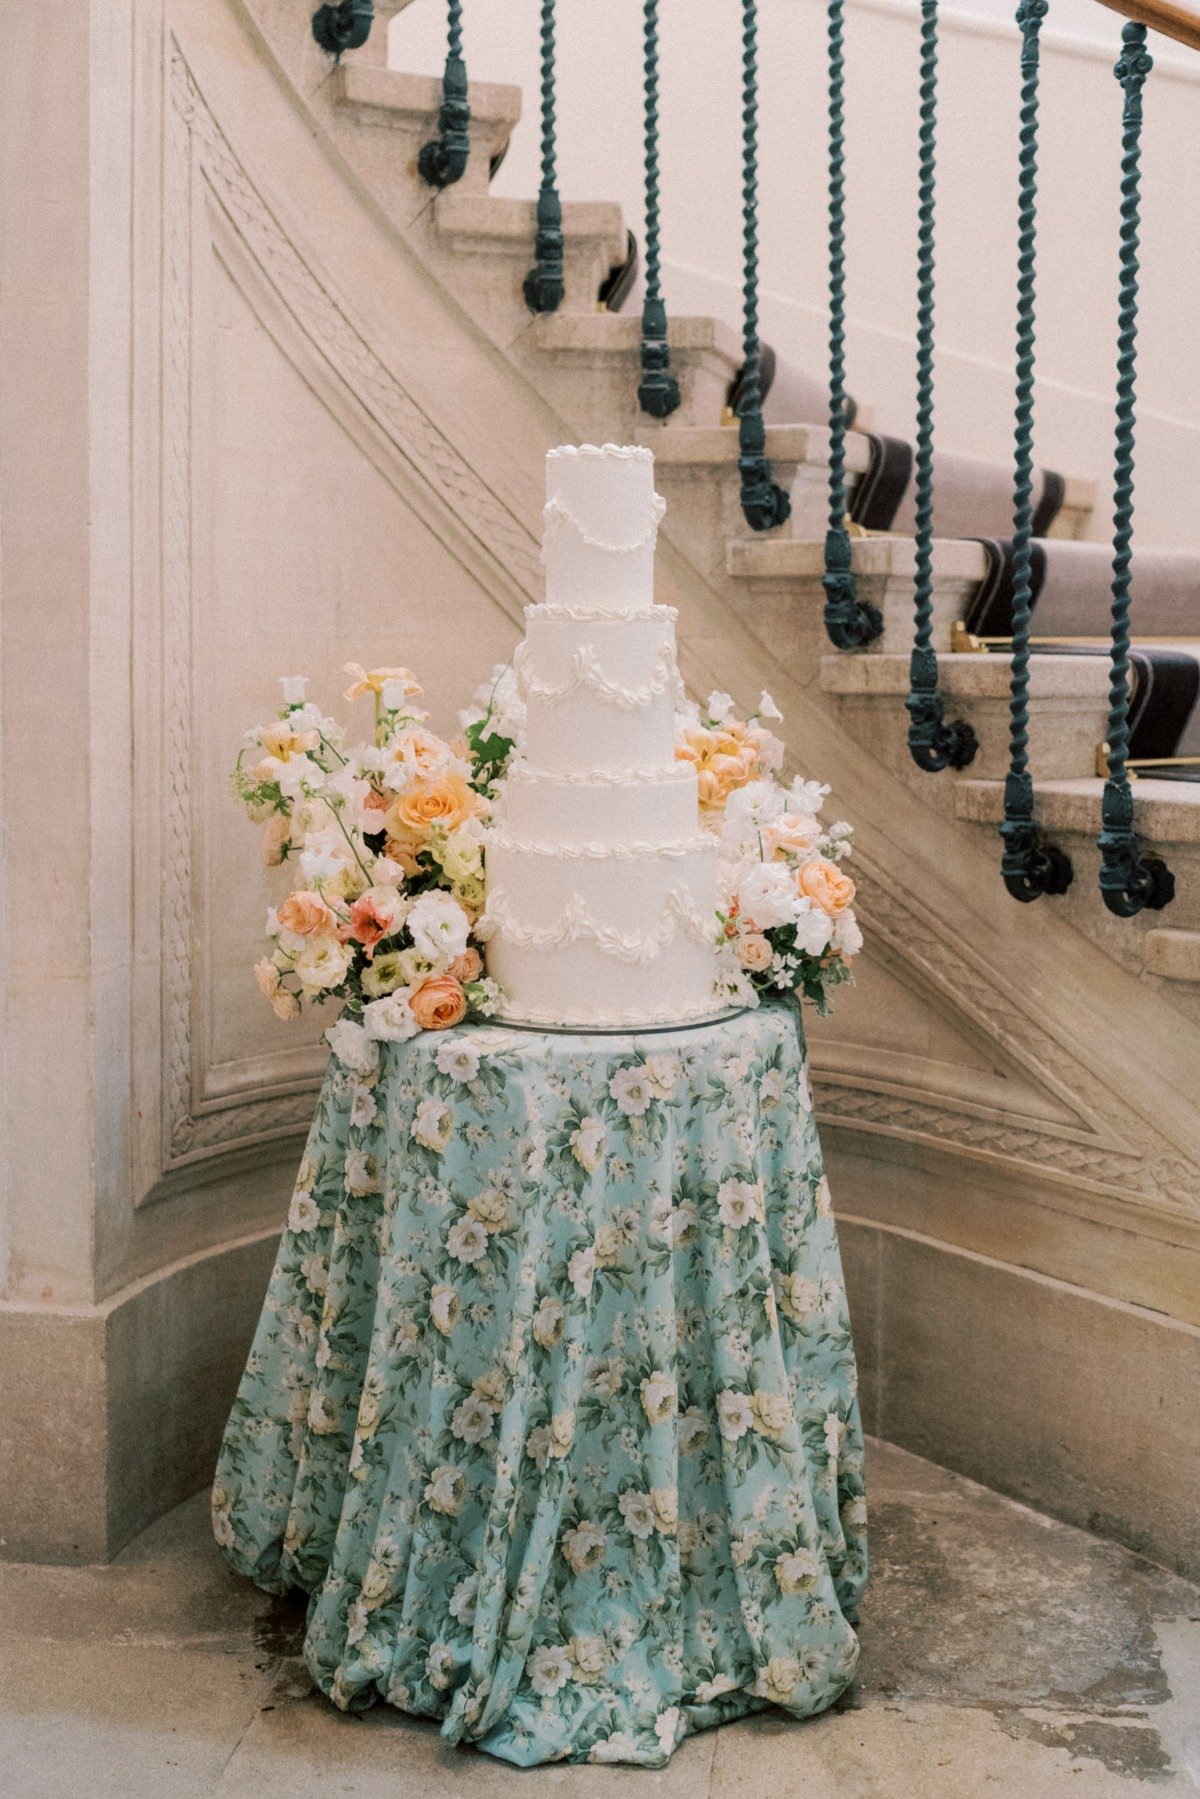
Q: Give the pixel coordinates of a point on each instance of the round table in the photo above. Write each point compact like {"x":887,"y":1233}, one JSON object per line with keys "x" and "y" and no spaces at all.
{"x":551,"y":1408}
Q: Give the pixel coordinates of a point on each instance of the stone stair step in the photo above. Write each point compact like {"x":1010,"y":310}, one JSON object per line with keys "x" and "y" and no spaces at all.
{"x":1166,"y":812}
{"x":1173,"y":954}
{"x":589,"y":365}
{"x":885,"y":568}
{"x":1068,"y":708}
{"x":388,"y":99}
{"x":485,"y":243}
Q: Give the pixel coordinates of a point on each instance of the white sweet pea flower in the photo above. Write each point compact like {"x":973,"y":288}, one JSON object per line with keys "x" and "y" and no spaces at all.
{"x":768,"y":896}
{"x":326,"y":855}
{"x":719,"y":706}
{"x":390,"y":1019}
{"x":296,"y":775}
{"x":497,"y":700}
{"x":814,"y":928}
{"x":293,"y":688}
{"x":767,"y":707}
{"x":847,"y":934}
{"x":439,"y":926}
{"x":808,"y":796}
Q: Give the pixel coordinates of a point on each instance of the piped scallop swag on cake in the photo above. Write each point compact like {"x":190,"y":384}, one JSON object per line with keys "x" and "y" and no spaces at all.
{"x":620,"y":856}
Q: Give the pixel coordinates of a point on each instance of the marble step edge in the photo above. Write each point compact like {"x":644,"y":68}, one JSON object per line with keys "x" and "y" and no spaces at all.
{"x":602,"y":336}
{"x":392,"y":97}
{"x":1165,"y":812}
{"x":715,"y":447}
{"x":886,"y":676}
{"x":502,"y":226}
{"x":781,"y":559}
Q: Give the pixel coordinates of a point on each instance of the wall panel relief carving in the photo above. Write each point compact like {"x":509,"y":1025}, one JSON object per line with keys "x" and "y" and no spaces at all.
{"x":310,"y":513}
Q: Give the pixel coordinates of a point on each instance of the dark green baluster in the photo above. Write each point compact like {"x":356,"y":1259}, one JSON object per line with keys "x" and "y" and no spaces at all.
{"x":933,"y":742}
{"x":444,"y":159}
{"x":763,"y":502}
{"x":850,"y":622}
{"x":658,"y":391}
{"x":1129,"y":881}
{"x":544,"y":282}
{"x":1029,"y":866}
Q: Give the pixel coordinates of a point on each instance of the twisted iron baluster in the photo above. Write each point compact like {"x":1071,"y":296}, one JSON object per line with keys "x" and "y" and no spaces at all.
{"x":763,"y":502}
{"x":851,"y":623}
{"x":543,"y":285}
{"x":933,"y":742}
{"x":658,"y":390}
{"x":1129,"y":881}
{"x":443,"y":160}
{"x":1029,"y":866}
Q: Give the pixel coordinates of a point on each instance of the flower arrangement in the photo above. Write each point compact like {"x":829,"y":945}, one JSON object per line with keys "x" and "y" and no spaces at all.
{"x":786,"y":907}
{"x":387,"y":840}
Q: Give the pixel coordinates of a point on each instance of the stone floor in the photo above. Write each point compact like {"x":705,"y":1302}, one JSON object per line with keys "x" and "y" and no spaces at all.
{"x":1003,"y":1654}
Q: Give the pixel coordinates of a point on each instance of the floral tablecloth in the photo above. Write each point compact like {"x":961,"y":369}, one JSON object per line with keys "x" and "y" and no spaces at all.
{"x":551,"y":1408}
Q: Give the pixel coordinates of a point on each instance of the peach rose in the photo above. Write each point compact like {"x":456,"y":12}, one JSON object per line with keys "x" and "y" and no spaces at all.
{"x":756,"y":952}
{"x":275,"y":839}
{"x":305,"y":914}
{"x":375,"y":915}
{"x":439,"y":1003}
{"x":446,"y":800}
{"x":826,"y":886}
{"x":468,"y":967}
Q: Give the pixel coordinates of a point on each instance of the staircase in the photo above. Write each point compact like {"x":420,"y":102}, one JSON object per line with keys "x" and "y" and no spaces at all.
{"x":585,"y":361}
{"x":1008,"y":1096}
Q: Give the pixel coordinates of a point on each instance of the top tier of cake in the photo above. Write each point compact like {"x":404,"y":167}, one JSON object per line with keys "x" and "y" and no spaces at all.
{"x":602,"y":516}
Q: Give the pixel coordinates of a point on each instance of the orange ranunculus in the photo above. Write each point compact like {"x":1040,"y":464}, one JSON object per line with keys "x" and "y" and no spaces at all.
{"x":468,"y":967}
{"x":446,"y":800}
{"x":439,"y":1003}
{"x":372,"y":680}
{"x":305,"y":914}
{"x":826,"y":886}
{"x":375,"y":915}
{"x":725,"y":758}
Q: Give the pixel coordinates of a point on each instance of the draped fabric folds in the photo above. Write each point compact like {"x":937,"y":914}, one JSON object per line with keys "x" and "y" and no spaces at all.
{"x":551,"y":1408}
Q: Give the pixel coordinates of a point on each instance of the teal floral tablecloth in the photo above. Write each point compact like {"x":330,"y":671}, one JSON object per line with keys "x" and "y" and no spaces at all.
{"x":551,"y":1408}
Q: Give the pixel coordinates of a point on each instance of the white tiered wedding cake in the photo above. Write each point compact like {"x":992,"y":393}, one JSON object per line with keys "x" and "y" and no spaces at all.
{"x":601,"y":883}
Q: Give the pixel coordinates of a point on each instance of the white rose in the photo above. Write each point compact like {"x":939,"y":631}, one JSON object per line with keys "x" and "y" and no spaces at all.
{"x":814,"y":928}
{"x":352,"y":1047}
{"x":439,"y":926}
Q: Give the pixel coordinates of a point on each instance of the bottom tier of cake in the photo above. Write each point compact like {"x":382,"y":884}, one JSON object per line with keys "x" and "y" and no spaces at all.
{"x":602,"y":940}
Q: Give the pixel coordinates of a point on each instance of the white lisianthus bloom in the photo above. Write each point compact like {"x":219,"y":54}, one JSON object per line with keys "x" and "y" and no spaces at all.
{"x":432,"y":1124}
{"x":549,"y":1669}
{"x":814,"y":928}
{"x":735,"y":1414}
{"x":439,"y":926}
{"x":461,"y":854}
{"x":631,"y":1089}
{"x":459,"y":1059}
{"x":719,"y":706}
{"x":352,"y":1047}
{"x":768,"y":896}
{"x":587,"y":1143}
{"x":767,"y":707}
{"x":322,"y":963}
{"x":390,"y":1019}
